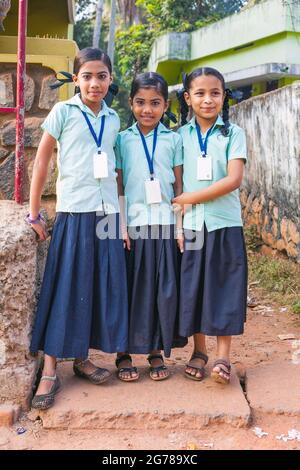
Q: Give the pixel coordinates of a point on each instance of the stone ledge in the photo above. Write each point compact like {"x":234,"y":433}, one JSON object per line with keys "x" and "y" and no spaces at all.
{"x":173,"y":403}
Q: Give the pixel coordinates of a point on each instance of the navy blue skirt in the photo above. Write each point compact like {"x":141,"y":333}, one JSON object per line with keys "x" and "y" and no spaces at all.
{"x":153,"y":290}
{"x":83,"y":300}
{"x":213,"y":288}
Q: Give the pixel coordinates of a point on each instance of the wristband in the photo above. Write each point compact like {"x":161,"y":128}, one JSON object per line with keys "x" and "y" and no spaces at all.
{"x":30,"y":221}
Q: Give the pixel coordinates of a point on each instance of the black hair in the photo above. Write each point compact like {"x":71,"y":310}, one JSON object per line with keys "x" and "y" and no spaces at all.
{"x":187,"y":81}
{"x":151,"y":80}
{"x":88,"y":54}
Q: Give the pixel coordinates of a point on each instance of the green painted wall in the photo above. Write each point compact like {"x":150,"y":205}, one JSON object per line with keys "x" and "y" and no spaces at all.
{"x":269,"y":32}
{"x":283,"y":47}
{"x":258,"y":88}
{"x":45,"y":17}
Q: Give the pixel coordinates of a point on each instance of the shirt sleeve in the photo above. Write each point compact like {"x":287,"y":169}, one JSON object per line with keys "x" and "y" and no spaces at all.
{"x":237,"y":147}
{"x":117,"y":128}
{"x":178,"y":153}
{"x":118,"y":153}
{"x":54,"y":122}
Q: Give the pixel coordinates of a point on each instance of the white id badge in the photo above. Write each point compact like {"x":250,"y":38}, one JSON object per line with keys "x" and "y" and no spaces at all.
{"x":153,"y":192}
{"x":204,"y":168}
{"x":100,"y":165}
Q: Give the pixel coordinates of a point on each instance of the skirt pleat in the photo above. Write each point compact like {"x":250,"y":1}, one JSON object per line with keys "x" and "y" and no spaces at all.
{"x":153,"y":286}
{"x":213,"y":287}
{"x":80,"y":306}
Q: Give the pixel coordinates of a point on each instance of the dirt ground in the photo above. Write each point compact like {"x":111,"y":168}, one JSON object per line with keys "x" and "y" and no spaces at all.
{"x":259,"y":345}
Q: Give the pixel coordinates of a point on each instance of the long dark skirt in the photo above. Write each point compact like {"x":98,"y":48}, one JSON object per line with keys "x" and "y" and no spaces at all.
{"x":153,"y":290}
{"x":83,"y":300}
{"x":213,"y":289}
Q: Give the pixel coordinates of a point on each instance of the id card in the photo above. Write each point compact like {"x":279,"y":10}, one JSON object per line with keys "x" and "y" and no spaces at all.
{"x":204,"y":168}
{"x":152,"y":191}
{"x":100,"y":165}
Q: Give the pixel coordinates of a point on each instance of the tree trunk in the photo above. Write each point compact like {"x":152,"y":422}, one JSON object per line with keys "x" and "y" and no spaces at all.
{"x":130,"y":12}
{"x":112,"y":30}
{"x":98,"y":23}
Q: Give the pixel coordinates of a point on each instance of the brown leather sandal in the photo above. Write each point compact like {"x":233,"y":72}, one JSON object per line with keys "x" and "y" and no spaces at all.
{"x":196,"y":355}
{"x":225,"y":368}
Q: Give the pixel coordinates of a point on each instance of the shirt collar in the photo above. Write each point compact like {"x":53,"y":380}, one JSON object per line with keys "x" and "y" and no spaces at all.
{"x":76,"y":101}
{"x":219,"y":122}
{"x":161,"y":128}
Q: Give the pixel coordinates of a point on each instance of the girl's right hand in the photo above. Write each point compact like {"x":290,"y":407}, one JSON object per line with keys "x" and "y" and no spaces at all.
{"x":126,"y":240}
{"x":180,"y":243}
{"x":41,"y":230}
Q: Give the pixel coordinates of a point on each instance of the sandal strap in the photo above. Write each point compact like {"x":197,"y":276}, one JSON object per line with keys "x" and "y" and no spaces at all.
{"x":154,"y":356}
{"x":199,"y":368}
{"x":81,"y":363}
{"x":124,"y":357}
{"x":158,"y":368}
{"x":128,"y":369}
{"x":199,"y":355}
{"x":48,"y":377}
{"x":223,"y":362}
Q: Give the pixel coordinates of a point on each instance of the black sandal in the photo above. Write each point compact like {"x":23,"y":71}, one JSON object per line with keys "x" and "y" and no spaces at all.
{"x":97,"y":377}
{"x":197,"y":355}
{"x":157,"y":369}
{"x":45,"y":401}
{"x":126,"y":357}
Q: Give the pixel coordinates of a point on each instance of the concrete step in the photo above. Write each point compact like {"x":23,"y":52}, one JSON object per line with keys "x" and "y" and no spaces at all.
{"x":175,"y":403}
{"x":275,"y":388}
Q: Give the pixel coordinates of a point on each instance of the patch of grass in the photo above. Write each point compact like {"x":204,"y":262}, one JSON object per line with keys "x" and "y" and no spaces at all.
{"x":278,"y":277}
{"x":296,"y":307}
{"x":253,"y":241}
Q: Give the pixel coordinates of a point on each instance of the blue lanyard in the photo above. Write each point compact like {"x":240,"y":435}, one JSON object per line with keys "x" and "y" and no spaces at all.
{"x":203,"y":145}
{"x":149,"y":158}
{"x":98,"y":140}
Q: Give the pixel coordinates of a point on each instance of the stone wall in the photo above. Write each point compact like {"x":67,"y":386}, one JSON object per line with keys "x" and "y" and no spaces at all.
{"x":270,"y":193}
{"x":39,"y":99}
{"x":21,"y":267}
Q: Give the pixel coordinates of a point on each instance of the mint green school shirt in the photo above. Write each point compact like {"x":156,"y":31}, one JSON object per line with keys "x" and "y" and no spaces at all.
{"x":131,"y":159}
{"x":77,"y":189}
{"x":224,"y":211}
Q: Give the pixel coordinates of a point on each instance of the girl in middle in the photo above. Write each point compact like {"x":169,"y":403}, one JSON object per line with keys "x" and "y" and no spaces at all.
{"x":149,"y":167}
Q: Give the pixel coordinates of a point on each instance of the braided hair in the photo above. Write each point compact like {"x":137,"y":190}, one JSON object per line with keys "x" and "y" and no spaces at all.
{"x":187,"y":80}
{"x":184,"y":109}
